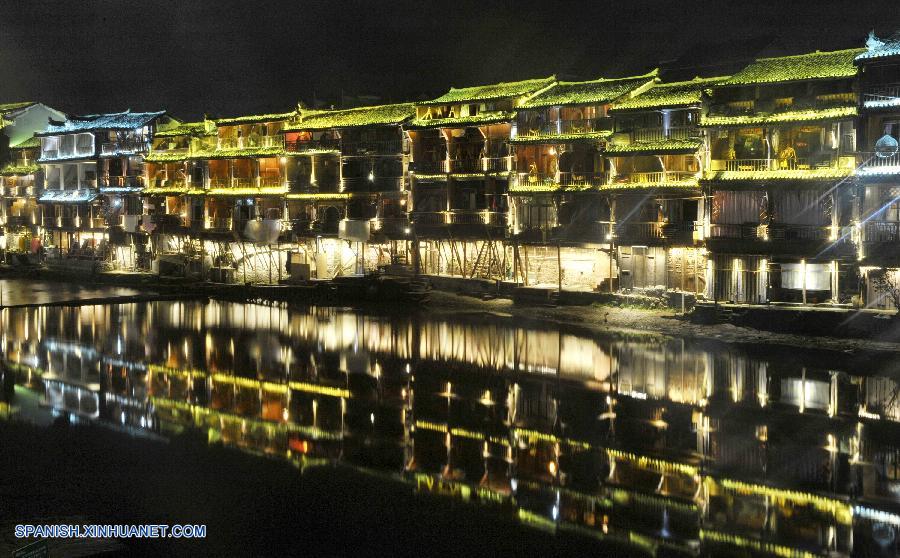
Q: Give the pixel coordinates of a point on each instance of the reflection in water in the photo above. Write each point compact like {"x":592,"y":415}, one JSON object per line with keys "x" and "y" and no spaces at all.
{"x":660,"y":444}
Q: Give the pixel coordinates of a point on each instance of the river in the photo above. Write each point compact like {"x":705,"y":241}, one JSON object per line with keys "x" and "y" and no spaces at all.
{"x":661,"y":444}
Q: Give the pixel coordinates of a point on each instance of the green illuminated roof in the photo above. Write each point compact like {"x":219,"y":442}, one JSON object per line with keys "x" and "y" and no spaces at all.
{"x":548,"y":186}
{"x":668,"y":95}
{"x":689,"y":184}
{"x":321,"y":196}
{"x":12,"y":107}
{"x":11,"y":169}
{"x":598,"y":91}
{"x":809,"y":174}
{"x":29,"y":143}
{"x":256,"y":118}
{"x":806,"y":115}
{"x":815,"y":65}
{"x":664,"y":147}
{"x":477,"y":120}
{"x":186,"y":129}
{"x":527,"y":139}
{"x":383,"y":115}
{"x":166,"y":156}
{"x":496,"y":91}
{"x":171,"y":190}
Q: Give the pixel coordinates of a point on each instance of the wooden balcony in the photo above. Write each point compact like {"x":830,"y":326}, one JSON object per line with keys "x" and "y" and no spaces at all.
{"x":662,"y":177}
{"x":567,"y":127}
{"x":774,"y":165}
{"x":661,"y":134}
{"x":887,"y":93}
{"x":250,"y":142}
{"x":136,"y":144}
{"x":871,"y":162}
{"x":428,"y":167}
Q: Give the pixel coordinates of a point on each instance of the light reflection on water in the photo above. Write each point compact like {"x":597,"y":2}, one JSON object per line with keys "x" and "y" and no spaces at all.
{"x":663,"y":444}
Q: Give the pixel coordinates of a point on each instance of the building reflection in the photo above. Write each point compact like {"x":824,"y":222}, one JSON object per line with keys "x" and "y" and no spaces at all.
{"x":657,"y":443}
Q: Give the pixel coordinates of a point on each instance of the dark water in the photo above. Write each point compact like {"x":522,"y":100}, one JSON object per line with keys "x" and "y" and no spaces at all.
{"x":14,"y":292}
{"x":664,"y":446}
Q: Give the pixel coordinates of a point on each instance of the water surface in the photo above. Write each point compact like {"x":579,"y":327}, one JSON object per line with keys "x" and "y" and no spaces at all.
{"x":663,"y":445}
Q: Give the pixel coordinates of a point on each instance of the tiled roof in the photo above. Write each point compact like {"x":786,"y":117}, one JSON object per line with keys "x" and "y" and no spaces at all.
{"x":815,"y":65}
{"x":6,"y":108}
{"x":29,"y":143}
{"x":479,"y":119}
{"x":667,"y":95}
{"x":186,"y":129}
{"x":664,"y":147}
{"x":256,"y":118}
{"x":598,"y":91}
{"x":116,"y":121}
{"x":527,"y":139}
{"x":382,"y":115}
{"x":11,"y":169}
{"x":809,"y":115}
{"x":492,"y":92}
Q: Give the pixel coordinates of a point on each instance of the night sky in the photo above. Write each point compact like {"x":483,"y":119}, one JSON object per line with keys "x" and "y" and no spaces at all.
{"x":227,"y":57}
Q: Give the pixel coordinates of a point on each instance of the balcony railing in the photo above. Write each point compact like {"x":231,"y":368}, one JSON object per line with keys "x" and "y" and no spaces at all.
{"x":250,"y":142}
{"x":220,"y":224}
{"x":18,"y":220}
{"x":557,"y":127}
{"x":778,"y":231}
{"x":301,"y":146}
{"x":122,"y":182}
{"x":746,"y":231}
{"x":762,"y":165}
{"x":234,"y":182}
{"x":131,"y":145}
{"x":881,"y":231}
{"x":585,"y":179}
{"x":429,"y":218}
{"x":395,"y":146}
{"x":498,"y":164}
{"x":885,"y":92}
{"x":775,"y":232}
{"x":655,"y":177}
{"x":879,"y":161}
{"x":488,"y":218}
{"x":660,"y":134}
{"x":639,"y":230}
{"x":428,"y":167}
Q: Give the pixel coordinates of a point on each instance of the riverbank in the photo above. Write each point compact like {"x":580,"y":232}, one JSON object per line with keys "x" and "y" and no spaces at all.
{"x":620,"y":318}
{"x":594,"y":320}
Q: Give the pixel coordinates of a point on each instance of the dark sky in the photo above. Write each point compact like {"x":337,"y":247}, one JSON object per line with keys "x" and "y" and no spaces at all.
{"x":227,"y":57}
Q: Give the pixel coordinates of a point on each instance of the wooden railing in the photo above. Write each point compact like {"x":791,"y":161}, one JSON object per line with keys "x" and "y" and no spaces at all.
{"x":763,"y":165}
{"x":655,"y":177}
{"x":250,"y":142}
{"x":660,"y":134}
{"x":135,"y":144}
{"x":881,"y":231}
{"x":885,"y":92}
{"x":882,"y":161}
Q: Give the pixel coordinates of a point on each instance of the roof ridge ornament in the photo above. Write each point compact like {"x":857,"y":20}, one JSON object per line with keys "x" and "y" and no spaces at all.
{"x":873,"y":42}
